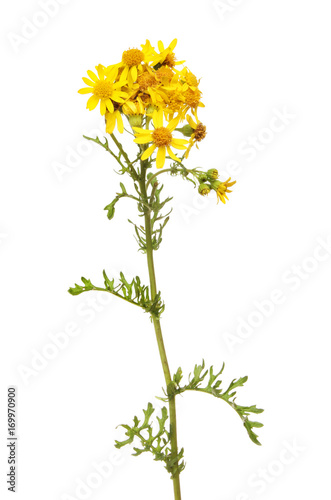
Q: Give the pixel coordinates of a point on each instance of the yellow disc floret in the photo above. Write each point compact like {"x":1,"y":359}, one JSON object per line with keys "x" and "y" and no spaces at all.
{"x":191,"y":79}
{"x":132,"y":57}
{"x":200,"y":132}
{"x":103,"y":89}
{"x":161,"y":137}
{"x":192,"y":97}
{"x":170,"y":60}
{"x":146,"y":80}
{"x":164,"y":72}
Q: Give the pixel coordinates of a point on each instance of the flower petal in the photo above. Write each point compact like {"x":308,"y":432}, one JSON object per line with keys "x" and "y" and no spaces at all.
{"x":92,"y":102}
{"x":191,"y":122}
{"x":109,"y":105}
{"x":141,"y":130}
{"x":177,"y":144}
{"x":103,"y":107}
{"x":158,"y":118}
{"x":93,"y":76}
{"x":110,"y":122}
{"x":85,"y":90}
{"x":173,"y":44}
{"x":143,"y":139}
{"x":101,"y":71}
{"x":160,"y":157}
{"x":134,"y":73}
{"x":148,"y":152}
{"x":173,"y":124}
{"x":171,"y":154}
{"x":88,"y":82}
{"x":120,"y":125}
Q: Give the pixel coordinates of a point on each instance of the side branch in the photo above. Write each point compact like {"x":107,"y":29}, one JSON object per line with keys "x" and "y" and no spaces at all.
{"x":213,"y":388}
{"x":133,"y":292}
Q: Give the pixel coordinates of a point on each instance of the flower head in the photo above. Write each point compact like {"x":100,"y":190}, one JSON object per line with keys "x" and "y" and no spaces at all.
{"x":103,"y":89}
{"x":131,"y":65}
{"x":204,"y":189}
{"x":198,"y":132}
{"x":165,"y":57}
{"x":161,"y":138}
{"x":222,"y":188}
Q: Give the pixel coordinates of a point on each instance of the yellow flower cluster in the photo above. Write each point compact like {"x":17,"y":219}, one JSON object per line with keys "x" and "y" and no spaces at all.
{"x":145,"y":86}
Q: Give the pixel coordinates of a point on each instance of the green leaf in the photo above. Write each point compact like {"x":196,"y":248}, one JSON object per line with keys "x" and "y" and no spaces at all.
{"x":158,"y":444}
{"x":111,"y":209}
{"x":135,"y":292}
{"x":76,"y":290}
{"x":178,"y":376}
{"x":213,"y":387}
{"x":108,"y":284}
{"x":87,"y":283}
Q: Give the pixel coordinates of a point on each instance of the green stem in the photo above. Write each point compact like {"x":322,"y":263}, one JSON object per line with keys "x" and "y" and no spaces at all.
{"x":164,"y":170}
{"x":126,"y":158}
{"x":158,"y":332}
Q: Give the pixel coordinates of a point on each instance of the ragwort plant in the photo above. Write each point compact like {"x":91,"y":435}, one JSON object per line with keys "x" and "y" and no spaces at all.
{"x":155,"y":97}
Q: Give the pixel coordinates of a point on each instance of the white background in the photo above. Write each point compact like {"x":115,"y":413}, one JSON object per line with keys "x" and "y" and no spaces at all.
{"x":216,"y":267}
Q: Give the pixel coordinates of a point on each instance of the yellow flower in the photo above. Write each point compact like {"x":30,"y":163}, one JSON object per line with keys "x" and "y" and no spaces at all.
{"x":222,"y":188}
{"x":103,"y":89}
{"x":148,"y":84}
{"x":192,"y":99}
{"x":199,"y":133}
{"x":161,"y":137}
{"x":112,"y":119}
{"x":131,"y":64}
{"x":134,"y":107}
{"x":190,"y":79}
{"x":165,"y":57}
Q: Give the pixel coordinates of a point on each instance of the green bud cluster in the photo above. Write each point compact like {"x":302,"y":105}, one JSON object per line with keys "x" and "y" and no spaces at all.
{"x":207,"y":181}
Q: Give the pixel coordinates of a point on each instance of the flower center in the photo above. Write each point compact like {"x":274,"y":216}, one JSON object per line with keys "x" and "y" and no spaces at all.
{"x":192,"y":97}
{"x":162,"y":137}
{"x":170,"y":60}
{"x":146,"y":80}
{"x":192,"y":80}
{"x":103,"y":89}
{"x":132,"y":57}
{"x":163,"y":72}
{"x":200,"y":132}
{"x":175,"y":103}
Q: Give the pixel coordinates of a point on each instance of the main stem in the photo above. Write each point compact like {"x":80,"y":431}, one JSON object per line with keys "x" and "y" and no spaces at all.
{"x":158,"y":332}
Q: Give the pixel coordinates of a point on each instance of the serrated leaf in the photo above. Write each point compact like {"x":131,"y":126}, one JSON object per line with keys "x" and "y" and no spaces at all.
{"x":213,"y":388}
{"x":76,"y":290}
{"x":108,"y":284}
{"x":87,"y":283}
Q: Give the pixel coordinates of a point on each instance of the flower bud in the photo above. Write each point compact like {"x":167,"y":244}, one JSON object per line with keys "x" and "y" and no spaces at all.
{"x":203,"y":177}
{"x":135,"y":120}
{"x":150,"y":109}
{"x":204,"y":189}
{"x":216,"y":185}
{"x":187,"y":130}
{"x":212,"y":173}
